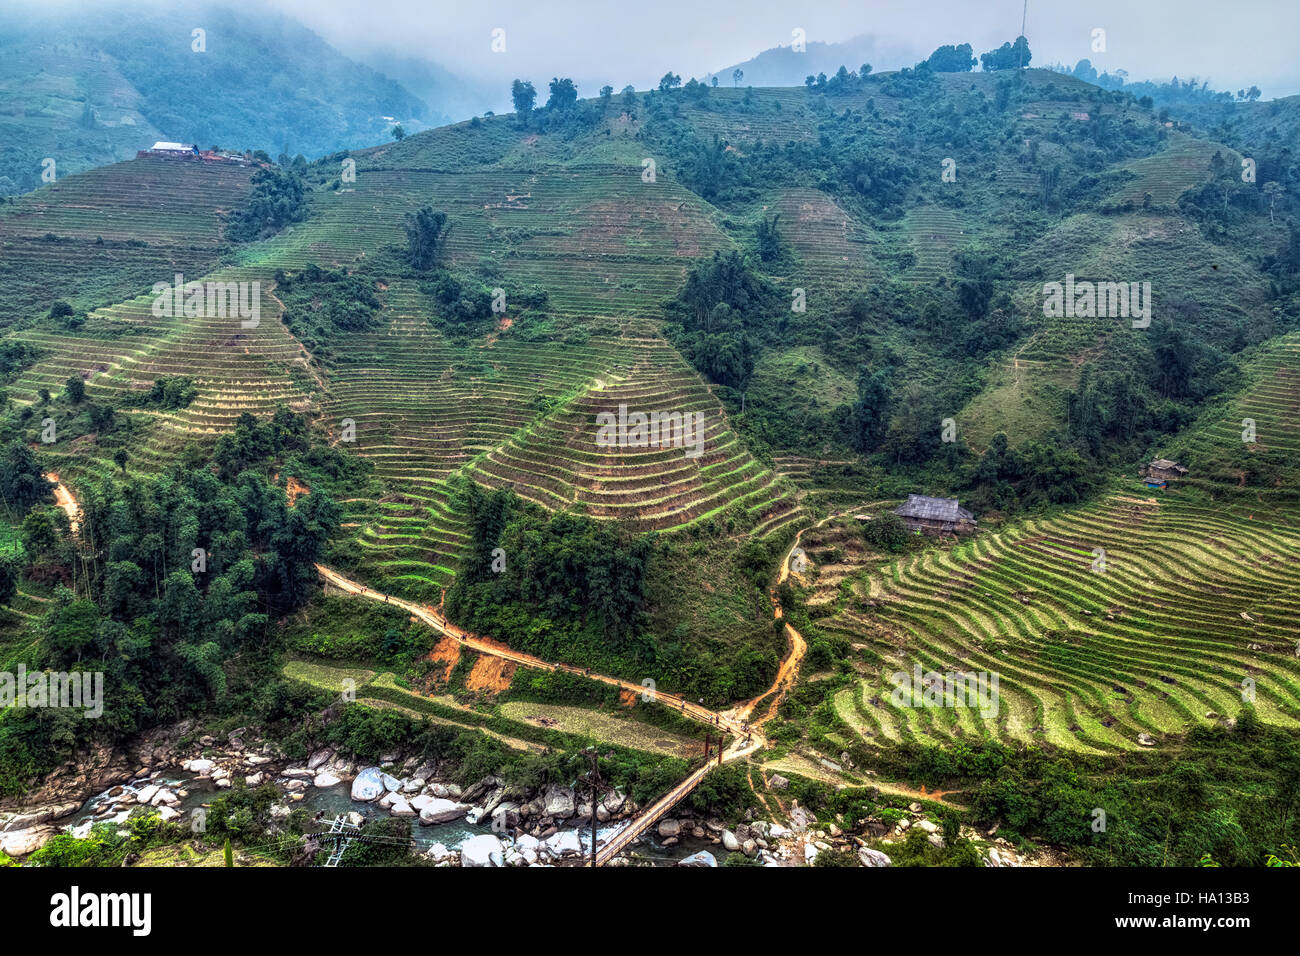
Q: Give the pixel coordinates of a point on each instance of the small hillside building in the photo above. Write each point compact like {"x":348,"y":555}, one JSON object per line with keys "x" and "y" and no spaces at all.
{"x":935,"y":515}
{"x":1162,"y":469}
{"x":192,"y":149}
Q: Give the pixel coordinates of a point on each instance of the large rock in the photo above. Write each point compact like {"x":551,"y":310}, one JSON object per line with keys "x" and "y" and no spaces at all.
{"x":369,"y":785}
{"x":870,"y":857}
{"x":778,"y":782}
{"x":482,"y":850}
{"x":730,"y":841}
{"x":319,"y":759}
{"x":22,"y":842}
{"x":442,"y":811}
{"x":565,"y":842}
{"x":401,"y":808}
{"x":438,"y":851}
{"x":559,"y":803}
{"x":326,"y":779}
{"x":703,"y":858}
{"x":199,"y":767}
{"x":669,"y":828}
{"x":390,"y":782}
{"x":613,"y":802}
{"x":147,"y":794}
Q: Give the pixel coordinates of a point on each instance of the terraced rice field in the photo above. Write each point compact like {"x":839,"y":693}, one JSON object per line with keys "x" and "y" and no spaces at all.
{"x":935,"y":234}
{"x":107,"y":234}
{"x":1272,"y":402}
{"x":124,"y":348}
{"x":1193,"y":600}
{"x":1182,"y":164}
{"x":600,"y":241}
{"x":604,"y":246}
{"x":834,"y":250}
{"x":428,"y":414}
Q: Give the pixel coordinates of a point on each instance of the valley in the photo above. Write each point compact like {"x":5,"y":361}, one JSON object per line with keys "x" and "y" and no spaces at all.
{"x":393,"y":514}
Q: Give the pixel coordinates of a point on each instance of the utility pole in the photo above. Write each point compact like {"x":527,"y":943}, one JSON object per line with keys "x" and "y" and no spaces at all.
{"x":595,"y":796}
{"x":1023,"y":14}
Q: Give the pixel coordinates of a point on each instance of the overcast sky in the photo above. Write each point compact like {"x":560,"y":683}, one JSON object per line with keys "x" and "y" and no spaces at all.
{"x":1233,"y":43}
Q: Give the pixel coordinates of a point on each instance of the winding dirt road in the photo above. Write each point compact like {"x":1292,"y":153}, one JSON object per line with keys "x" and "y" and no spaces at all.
{"x":428,"y":614}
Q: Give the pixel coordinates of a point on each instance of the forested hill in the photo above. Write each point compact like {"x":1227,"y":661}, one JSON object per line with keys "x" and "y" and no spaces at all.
{"x":92,"y":87}
{"x":845,"y":283}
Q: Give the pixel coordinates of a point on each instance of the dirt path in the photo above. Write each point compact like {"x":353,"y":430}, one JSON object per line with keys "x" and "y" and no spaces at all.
{"x":63,"y":498}
{"x":484,"y":645}
{"x":788,"y":672}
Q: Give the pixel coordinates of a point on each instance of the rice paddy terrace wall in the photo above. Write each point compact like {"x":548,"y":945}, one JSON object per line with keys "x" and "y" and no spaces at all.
{"x":604,"y":246}
{"x":1250,"y":445}
{"x":507,"y":411}
{"x":100,"y":236}
{"x":1193,"y":601}
{"x":1137,"y":615}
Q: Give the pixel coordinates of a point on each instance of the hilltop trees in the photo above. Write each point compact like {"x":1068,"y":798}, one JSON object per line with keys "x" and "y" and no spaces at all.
{"x":1009,"y":56}
{"x":771,"y":247}
{"x":75,"y":389}
{"x":319,"y":304}
{"x":723,"y":314}
{"x":563,"y":94}
{"x":950,"y":59}
{"x":524,"y":96}
{"x":870,"y":413}
{"x":712,"y":170}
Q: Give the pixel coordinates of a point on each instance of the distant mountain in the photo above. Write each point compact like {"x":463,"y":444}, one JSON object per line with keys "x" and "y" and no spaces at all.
{"x":782,"y":66}
{"x":90,"y":89}
{"x":457,"y":98}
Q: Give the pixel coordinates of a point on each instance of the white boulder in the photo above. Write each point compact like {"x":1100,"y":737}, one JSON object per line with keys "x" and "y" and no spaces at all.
{"x":482,"y":850}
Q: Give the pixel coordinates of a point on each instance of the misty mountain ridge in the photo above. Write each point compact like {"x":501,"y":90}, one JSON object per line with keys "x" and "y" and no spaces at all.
{"x":87,"y":90}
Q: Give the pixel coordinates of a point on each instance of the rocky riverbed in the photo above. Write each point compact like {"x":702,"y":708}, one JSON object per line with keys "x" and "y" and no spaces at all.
{"x":485,"y":824}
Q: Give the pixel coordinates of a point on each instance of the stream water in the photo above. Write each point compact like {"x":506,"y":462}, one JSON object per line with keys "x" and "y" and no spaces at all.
{"x":336,"y":801}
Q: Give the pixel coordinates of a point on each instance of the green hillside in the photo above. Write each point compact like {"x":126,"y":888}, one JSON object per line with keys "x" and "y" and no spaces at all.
{"x":798,"y":271}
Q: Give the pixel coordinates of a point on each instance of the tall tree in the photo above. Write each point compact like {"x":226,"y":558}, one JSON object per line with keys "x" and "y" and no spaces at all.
{"x":524,"y":97}
{"x":426,"y":236}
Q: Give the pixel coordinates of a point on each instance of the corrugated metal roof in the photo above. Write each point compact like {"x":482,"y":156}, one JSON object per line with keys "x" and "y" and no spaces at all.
{"x":932,"y":509}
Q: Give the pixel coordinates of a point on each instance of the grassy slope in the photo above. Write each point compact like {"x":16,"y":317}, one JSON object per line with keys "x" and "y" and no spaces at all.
{"x":574,"y":218}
